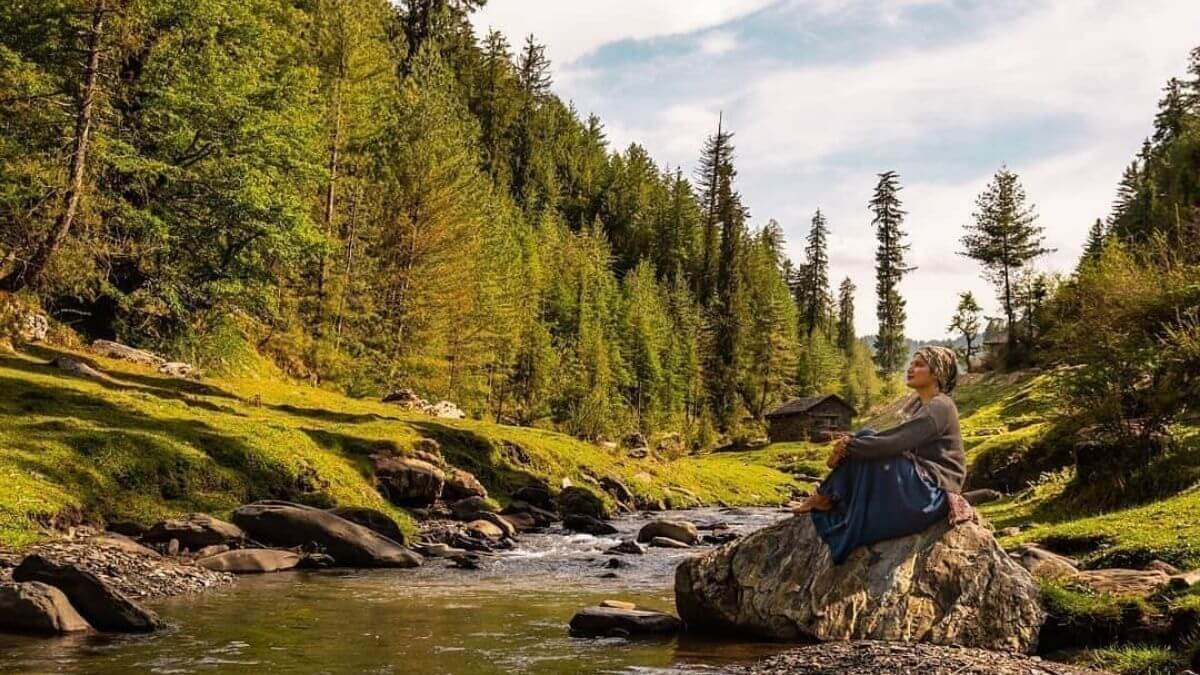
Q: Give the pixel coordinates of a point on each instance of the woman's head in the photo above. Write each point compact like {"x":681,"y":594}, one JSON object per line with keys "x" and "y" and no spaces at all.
{"x":933,"y":367}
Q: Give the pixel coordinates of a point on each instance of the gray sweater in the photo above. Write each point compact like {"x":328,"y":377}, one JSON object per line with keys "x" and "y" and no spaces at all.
{"x":931,"y":438}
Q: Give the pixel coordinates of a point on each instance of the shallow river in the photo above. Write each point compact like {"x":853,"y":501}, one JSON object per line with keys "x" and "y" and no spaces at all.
{"x":510,"y":616}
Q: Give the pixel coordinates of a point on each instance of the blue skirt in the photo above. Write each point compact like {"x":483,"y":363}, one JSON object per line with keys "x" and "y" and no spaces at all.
{"x":874,"y":501}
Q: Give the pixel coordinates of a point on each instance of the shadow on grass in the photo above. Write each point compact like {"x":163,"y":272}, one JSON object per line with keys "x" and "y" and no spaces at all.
{"x":323,"y":415}
{"x":119,"y":452}
{"x":120,"y":381}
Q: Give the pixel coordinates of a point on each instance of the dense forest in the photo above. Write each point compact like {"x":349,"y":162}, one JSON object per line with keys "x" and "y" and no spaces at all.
{"x":373,"y":197}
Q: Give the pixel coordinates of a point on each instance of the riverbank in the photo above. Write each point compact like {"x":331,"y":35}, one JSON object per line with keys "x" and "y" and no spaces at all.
{"x":141,"y":446}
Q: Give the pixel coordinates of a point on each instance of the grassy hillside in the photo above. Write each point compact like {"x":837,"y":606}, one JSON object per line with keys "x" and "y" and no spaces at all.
{"x":143,"y":446}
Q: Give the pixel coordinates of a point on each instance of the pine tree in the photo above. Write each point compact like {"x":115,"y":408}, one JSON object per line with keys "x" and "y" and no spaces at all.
{"x":816,"y":274}
{"x":718,"y":151}
{"x":845,"y":321}
{"x":728,"y":309}
{"x":1094,"y":245}
{"x":533,"y":77}
{"x":889,"y":271}
{"x":1172,"y":112}
{"x":967,"y":319}
{"x":1004,"y":239}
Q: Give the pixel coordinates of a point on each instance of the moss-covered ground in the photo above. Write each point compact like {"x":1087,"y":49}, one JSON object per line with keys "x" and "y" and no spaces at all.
{"x":142,"y":446}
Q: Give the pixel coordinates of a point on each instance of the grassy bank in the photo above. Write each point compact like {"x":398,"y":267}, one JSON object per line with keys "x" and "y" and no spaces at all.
{"x":142,"y":446}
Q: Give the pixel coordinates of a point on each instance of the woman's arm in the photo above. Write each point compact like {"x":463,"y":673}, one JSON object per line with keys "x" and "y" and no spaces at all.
{"x":899,"y":439}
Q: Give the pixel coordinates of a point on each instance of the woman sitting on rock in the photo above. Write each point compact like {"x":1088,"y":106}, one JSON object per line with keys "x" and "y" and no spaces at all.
{"x":899,"y":481}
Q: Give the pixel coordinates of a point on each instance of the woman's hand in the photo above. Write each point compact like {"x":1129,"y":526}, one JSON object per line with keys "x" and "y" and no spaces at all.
{"x":838,"y":453}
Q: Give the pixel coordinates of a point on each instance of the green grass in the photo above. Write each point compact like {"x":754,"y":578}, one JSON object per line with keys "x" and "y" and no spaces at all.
{"x":1134,"y":660}
{"x":144,"y":446}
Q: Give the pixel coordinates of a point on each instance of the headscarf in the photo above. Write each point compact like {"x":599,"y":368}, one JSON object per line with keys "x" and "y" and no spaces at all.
{"x":943,"y":364}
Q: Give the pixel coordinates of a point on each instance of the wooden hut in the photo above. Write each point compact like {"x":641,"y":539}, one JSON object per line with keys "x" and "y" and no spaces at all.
{"x":809,"y":418}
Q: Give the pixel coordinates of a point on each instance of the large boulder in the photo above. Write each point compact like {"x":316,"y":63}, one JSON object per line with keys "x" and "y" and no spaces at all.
{"x":462,"y":484}
{"x":575,"y":500}
{"x":35,"y":607}
{"x":372,"y":519}
{"x":409,"y":482}
{"x":943,"y":586}
{"x":679,"y":530}
{"x":194,"y":531}
{"x":105,"y":608}
{"x":289,"y":525}
{"x":251,"y":561}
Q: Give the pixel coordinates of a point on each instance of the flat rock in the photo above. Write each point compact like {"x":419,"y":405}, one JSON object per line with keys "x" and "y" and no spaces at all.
{"x":1044,"y":564}
{"x":373,"y":519}
{"x":194,"y":531}
{"x":116,"y":350}
{"x":251,"y":561}
{"x":622,"y":622}
{"x":588,"y":525}
{"x":679,"y":530}
{"x":105,"y":608}
{"x":35,"y":607}
{"x":1123,"y":581}
{"x":469,"y":508}
{"x":943,"y":586}
{"x":287,"y":525}
{"x":667,"y":542}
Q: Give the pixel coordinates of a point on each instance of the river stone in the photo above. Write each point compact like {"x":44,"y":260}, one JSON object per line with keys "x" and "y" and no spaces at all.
{"x":667,"y":542}
{"x":484,"y":529}
{"x":409,"y":482}
{"x":581,"y":501}
{"x":35,"y":607}
{"x":679,"y":530}
{"x":943,"y":586}
{"x":588,"y":525}
{"x":536,"y":495}
{"x":1044,"y":564}
{"x":622,"y":622}
{"x":470,"y":508}
{"x":541,"y":517}
{"x":628,"y":546}
{"x":372,"y":519}
{"x":619,"y":491}
{"x":105,"y":608}
{"x":522,"y":522}
{"x":251,"y":561}
{"x":209,"y":551}
{"x":462,"y":484}
{"x":289,"y":525}
{"x":195,"y":531}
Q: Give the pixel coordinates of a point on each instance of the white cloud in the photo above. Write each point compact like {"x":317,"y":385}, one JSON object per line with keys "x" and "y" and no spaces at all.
{"x":717,"y":43}
{"x":574,"y":29}
{"x":806,"y":131}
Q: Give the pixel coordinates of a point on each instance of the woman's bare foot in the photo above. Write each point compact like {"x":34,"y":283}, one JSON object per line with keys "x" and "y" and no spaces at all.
{"x":816,"y":502}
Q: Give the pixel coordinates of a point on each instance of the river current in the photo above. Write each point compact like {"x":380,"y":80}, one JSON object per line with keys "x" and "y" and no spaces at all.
{"x":510,"y":616}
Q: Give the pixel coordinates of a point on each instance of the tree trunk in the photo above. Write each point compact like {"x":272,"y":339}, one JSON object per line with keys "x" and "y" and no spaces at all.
{"x":30,"y":274}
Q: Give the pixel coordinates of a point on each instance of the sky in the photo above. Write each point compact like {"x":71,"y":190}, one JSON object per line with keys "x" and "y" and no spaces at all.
{"x":822,"y":95}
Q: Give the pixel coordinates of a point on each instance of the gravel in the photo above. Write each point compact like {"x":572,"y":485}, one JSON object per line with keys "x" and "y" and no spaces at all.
{"x":900,"y":658}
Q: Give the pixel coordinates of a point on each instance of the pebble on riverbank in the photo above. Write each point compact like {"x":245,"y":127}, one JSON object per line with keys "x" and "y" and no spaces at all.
{"x":870,"y":656}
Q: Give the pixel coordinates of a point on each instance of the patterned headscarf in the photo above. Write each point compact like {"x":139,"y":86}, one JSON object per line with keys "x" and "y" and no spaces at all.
{"x":943,"y":364}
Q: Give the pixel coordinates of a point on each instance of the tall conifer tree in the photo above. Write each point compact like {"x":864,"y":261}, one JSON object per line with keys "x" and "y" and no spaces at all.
{"x":890,"y":269}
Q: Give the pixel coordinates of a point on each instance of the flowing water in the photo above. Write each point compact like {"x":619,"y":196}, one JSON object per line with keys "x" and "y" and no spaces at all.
{"x":508,"y":617}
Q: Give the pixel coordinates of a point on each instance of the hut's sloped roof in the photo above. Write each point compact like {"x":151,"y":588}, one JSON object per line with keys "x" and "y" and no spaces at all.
{"x":804,"y":404}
